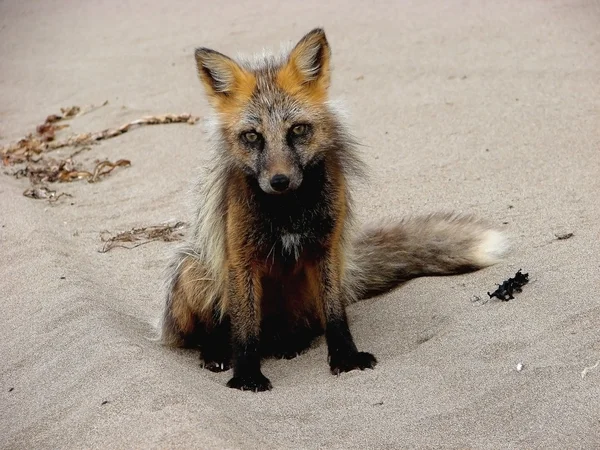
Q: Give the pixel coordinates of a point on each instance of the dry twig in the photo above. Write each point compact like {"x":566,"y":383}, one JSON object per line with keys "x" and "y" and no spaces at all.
{"x":31,"y":145}
{"x":142,"y":236}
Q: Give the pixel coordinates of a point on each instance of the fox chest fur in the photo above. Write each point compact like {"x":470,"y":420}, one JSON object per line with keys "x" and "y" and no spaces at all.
{"x":284,"y":237}
{"x":280,"y":230}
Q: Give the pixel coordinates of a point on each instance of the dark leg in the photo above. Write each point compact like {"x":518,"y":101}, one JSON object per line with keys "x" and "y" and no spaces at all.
{"x":246,"y":367}
{"x":245,"y":293}
{"x":216,"y":347}
{"x":343,"y":354}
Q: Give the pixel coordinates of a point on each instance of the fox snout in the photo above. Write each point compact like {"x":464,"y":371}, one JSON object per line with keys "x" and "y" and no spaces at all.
{"x":280,"y":181}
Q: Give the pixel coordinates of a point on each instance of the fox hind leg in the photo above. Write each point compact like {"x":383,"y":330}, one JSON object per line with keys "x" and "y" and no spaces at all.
{"x":186,"y":323}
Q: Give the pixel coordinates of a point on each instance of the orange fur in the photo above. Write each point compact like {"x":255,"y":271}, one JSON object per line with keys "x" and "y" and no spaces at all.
{"x":244,"y":271}
{"x":235,"y":88}
{"x":290,"y":81}
{"x":231,"y":106}
{"x":295,"y":82}
{"x":184,"y":299}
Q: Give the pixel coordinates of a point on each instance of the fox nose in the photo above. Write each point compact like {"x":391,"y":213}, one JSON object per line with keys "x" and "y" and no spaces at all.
{"x":280,"y":182}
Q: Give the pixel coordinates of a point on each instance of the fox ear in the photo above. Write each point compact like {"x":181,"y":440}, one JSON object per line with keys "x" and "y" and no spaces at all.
{"x":308,"y":63}
{"x":311,"y":56}
{"x":222,"y":76}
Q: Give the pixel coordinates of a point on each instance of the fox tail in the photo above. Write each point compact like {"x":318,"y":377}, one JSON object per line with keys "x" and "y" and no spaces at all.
{"x":385,"y":256}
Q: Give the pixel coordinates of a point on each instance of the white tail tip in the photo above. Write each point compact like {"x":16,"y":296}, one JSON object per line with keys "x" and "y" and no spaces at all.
{"x":494,"y":245}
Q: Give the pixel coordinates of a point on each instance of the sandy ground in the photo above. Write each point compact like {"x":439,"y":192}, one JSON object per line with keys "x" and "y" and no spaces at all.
{"x":486,"y":107}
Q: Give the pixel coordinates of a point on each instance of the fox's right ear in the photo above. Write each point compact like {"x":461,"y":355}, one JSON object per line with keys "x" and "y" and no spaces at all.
{"x":222,"y":77}
{"x":307,"y":71}
{"x":311,"y":56}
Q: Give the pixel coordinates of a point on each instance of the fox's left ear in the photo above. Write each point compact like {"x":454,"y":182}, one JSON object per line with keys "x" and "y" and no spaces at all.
{"x":308,"y":63}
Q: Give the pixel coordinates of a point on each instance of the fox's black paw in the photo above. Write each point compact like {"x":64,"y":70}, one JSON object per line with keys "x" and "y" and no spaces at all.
{"x":257,"y":383}
{"x":216,"y":366}
{"x":348,"y":362}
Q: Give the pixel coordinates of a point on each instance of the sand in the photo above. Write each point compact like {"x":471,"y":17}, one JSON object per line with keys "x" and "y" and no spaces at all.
{"x":484,"y":107}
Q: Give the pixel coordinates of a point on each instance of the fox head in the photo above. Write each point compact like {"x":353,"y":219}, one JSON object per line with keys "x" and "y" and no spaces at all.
{"x":273,"y":113}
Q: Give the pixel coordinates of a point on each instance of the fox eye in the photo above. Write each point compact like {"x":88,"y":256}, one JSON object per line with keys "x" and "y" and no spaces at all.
{"x":299,"y":130}
{"x":251,"y":136}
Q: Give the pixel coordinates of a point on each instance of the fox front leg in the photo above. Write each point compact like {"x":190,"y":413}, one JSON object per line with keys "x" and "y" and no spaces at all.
{"x":343,"y":354}
{"x":244,"y":301}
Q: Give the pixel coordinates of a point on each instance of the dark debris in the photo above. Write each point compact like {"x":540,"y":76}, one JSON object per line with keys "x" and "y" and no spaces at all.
{"x":506,"y":290}
{"x":563,"y":236}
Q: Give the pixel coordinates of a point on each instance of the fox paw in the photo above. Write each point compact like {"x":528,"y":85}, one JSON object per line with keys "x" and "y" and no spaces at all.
{"x":348,"y":362}
{"x":216,"y":366}
{"x":257,"y":383}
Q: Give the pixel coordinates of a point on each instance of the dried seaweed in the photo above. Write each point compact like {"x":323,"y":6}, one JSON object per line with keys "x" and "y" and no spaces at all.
{"x":89,"y":138}
{"x":73,"y":111}
{"x":52,"y":171}
{"x":44,"y":193}
{"x":30,"y":145}
{"x":47,"y":131}
{"x":43,"y":140}
{"x":142,"y":236}
{"x":506,"y":290}
{"x":41,"y":168}
{"x":105,"y":167}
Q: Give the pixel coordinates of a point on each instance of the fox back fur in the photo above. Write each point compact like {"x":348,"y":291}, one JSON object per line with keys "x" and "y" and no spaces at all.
{"x":272,"y":258}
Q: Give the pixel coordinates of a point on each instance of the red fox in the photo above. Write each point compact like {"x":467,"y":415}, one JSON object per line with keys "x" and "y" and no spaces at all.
{"x":272,"y":260}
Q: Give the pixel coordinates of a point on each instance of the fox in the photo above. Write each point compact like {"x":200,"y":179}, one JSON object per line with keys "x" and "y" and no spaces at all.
{"x":273,"y":256}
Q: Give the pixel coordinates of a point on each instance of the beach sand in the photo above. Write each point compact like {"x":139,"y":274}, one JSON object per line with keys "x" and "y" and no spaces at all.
{"x":491,"y":108}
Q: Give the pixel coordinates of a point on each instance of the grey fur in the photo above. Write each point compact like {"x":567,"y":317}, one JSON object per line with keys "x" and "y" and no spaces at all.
{"x":386,"y":255}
